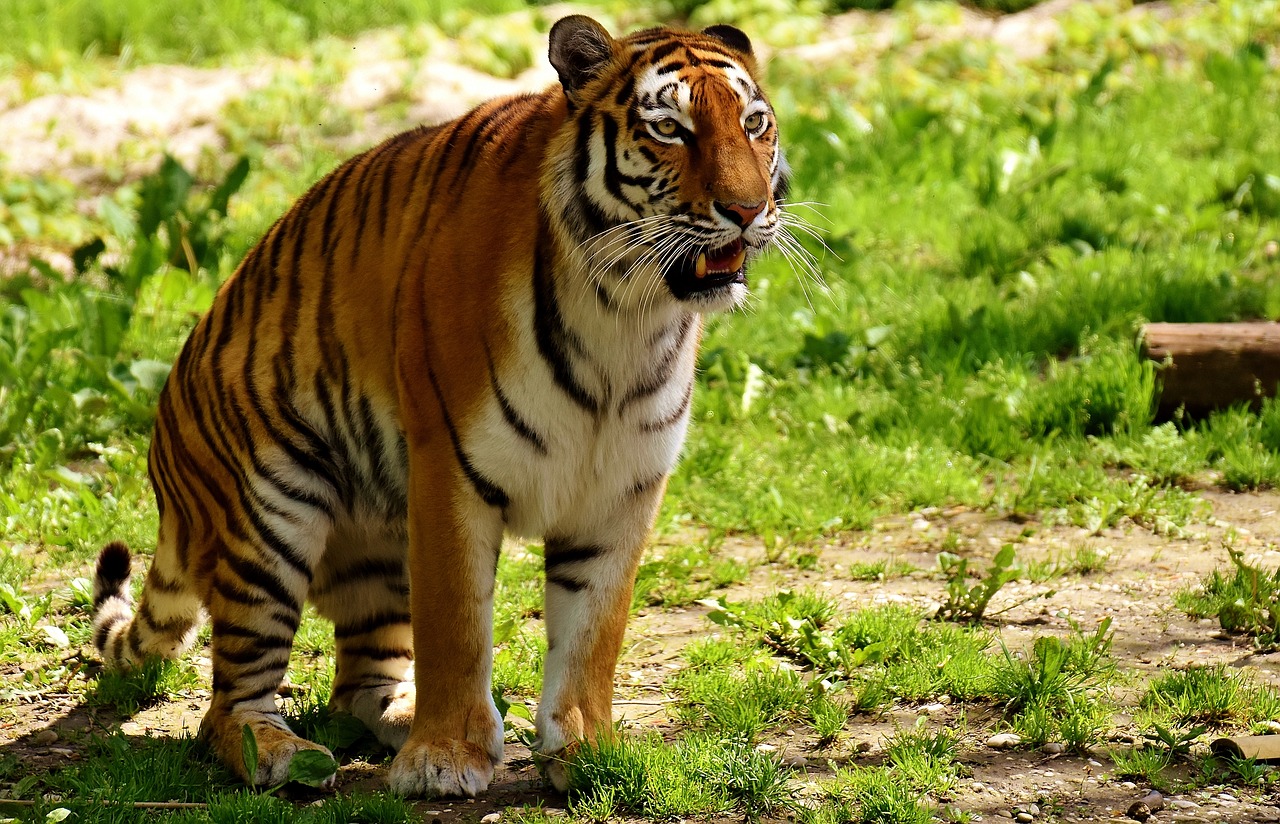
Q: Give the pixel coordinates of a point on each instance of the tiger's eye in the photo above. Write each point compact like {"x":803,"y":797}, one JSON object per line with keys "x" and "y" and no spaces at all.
{"x":754,"y":122}
{"x":667,"y":127}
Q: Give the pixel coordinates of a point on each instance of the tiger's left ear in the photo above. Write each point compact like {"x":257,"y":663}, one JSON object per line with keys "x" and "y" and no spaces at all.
{"x":731,"y":37}
{"x":580,"y":47}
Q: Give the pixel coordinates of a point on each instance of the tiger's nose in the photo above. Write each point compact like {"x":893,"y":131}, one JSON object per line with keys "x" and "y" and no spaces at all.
{"x":740,"y":213}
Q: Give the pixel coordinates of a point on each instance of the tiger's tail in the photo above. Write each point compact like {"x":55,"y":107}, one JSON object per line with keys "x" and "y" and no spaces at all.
{"x":123,"y":637}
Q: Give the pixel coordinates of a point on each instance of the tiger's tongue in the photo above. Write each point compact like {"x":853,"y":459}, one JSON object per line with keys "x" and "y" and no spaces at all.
{"x":727,"y":260}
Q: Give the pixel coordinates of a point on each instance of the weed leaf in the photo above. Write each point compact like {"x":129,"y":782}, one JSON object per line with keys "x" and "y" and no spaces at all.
{"x":249,"y":751}
{"x":311,"y":767}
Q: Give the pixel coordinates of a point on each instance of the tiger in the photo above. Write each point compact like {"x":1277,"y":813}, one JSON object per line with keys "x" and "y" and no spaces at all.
{"x":484,"y":328}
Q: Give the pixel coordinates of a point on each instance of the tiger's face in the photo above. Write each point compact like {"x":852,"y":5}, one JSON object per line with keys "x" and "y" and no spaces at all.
{"x":678,"y":163}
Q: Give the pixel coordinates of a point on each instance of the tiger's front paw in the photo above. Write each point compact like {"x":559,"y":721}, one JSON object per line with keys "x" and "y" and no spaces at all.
{"x":440,"y":765}
{"x":559,"y":736}
{"x":443,"y":767}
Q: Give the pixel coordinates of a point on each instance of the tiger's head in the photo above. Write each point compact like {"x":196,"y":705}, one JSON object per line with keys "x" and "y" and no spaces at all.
{"x":669,"y":171}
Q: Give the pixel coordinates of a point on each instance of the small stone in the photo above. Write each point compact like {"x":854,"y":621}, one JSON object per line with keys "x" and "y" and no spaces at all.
{"x":1004,"y":740}
{"x":1128,"y":785}
{"x":766,"y":748}
{"x":1004,"y":814}
{"x":44,"y":738}
{"x":1024,"y":817}
{"x":1183,"y":804}
{"x":55,"y":636}
{"x":1034,"y":809}
{"x":795,"y":762}
{"x":1053,"y":748}
{"x":491,"y":818}
{"x":978,"y":787}
{"x":932,"y":709}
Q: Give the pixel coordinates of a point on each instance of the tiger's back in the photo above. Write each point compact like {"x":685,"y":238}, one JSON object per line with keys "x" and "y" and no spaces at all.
{"x":485,"y":326}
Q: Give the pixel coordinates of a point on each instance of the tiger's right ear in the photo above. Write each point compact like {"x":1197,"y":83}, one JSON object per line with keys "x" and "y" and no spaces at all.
{"x":580,"y":48}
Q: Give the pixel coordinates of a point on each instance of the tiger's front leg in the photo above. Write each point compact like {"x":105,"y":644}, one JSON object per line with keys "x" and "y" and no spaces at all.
{"x":454,"y":537}
{"x":591,"y":570}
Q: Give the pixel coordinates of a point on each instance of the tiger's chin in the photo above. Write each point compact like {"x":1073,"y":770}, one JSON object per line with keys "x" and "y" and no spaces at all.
{"x":713,"y":279}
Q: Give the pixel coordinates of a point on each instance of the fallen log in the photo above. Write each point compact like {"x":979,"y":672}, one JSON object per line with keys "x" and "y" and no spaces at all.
{"x":1208,"y":366}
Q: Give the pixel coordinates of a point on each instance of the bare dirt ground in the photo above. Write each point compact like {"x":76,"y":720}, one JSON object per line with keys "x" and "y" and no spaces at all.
{"x":1135,"y":592}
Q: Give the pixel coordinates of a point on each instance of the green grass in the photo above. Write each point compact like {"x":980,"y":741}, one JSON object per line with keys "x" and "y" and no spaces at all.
{"x":1245,"y":600}
{"x":50,"y":32}
{"x":697,"y":776}
{"x":998,"y":233}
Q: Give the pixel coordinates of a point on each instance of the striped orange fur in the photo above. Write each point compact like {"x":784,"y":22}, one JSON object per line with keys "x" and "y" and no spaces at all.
{"x":484,"y":327}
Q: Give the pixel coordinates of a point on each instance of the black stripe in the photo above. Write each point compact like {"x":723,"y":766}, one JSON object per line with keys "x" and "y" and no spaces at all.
{"x":663,"y":50}
{"x":100,"y":637}
{"x":558,"y":552}
{"x":562,"y":580}
{"x":331,"y":213}
{"x":364,"y":626}
{"x":247,"y":697}
{"x":361,"y":208}
{"x":174,"y":626}
{"x":509,"y":413}
{"x":425,"y":136}
{"x":604,"y":298}
{"x":674,"y":417}
{"x":624,"y":92}
{"x":253,"y":652}
{"x":363,"y":571}
{"x":384,"y":200}
{"x":489,"y":492}
{"x":376,"y":653}
{"x":614,"y":179}
{"x":362,"y":684}
{"x":662,"y":372}
{"x":641,"y":487}
{"x":255,"y":574}
{"x":554,"y":340}
{"x":582,"y":148}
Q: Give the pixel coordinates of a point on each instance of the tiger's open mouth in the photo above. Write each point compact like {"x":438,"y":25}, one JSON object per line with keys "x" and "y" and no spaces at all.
{"x":709,"y":269}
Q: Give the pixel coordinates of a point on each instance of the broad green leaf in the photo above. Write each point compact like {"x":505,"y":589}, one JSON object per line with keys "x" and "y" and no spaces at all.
{"x":249,"y":751}
{"x":151,"y":374}
{"x":311,"y":767}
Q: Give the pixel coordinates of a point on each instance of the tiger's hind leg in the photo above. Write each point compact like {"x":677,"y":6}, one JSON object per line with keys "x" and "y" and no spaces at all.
{"x":362,"y":585}
{"x":256,"y":604}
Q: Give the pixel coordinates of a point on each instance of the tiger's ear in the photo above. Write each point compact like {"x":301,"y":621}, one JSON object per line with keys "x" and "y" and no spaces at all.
{"x":580,"y":48}
{"x":731,"y":37}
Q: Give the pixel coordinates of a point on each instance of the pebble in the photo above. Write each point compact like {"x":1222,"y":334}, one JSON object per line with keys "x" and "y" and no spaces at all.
{"x":1024,"y":817}
{"x":978,"y":787}
{"x":491,"y":818}
{"x":1053,"y":748}
{"x":1128,"y":785}
{"x":796,"y":762}
{"x":1183,"y":804}
{"x":44,"y":738}
{"x":1004,"y":740}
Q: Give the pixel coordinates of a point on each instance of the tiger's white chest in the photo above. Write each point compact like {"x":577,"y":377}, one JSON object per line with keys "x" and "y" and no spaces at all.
{"x":573,"y":427}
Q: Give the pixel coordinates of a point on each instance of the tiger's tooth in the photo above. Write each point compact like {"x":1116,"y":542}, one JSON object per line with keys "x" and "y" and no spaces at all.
{"x":738,"y":260}
{"x":700,"y":267}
